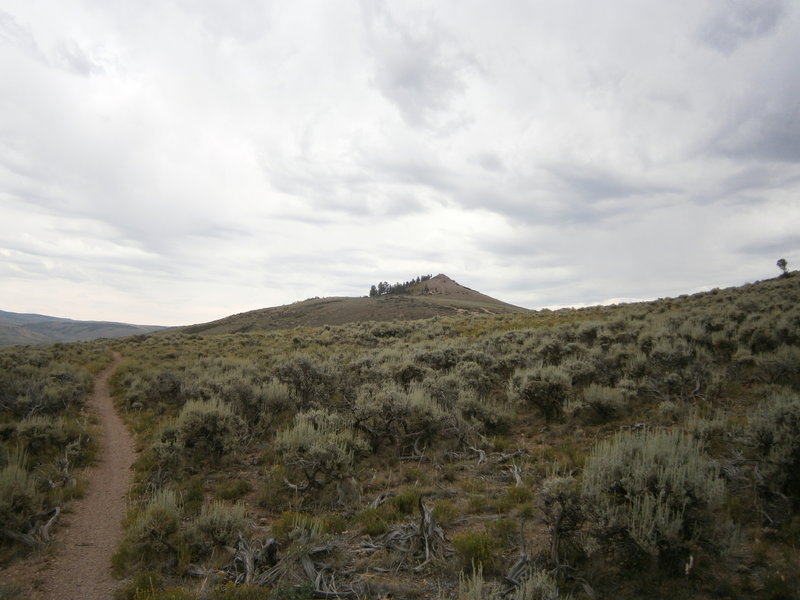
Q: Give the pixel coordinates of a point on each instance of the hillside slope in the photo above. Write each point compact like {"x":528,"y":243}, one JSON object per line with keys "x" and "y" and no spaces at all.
{"x":439,"y":296}
{"x":25,"y":328}
{"x":545,"y":448}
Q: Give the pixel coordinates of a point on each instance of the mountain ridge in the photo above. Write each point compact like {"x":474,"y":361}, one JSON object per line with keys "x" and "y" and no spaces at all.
{"x":31,"y":329}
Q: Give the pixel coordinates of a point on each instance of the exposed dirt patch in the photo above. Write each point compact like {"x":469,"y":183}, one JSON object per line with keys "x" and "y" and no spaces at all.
{"x":78,"y":566}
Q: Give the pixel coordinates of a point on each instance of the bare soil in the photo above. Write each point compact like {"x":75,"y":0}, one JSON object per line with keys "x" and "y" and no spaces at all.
{"x":78,"y":565}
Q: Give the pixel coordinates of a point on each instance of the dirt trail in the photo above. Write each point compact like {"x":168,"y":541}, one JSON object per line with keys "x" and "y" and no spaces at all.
{"x":79,"y":567}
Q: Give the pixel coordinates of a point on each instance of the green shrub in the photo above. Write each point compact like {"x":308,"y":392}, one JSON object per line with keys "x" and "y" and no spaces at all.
{"x":601,"y":403}
{"x":781,"y":366}
{"x":310,"y":379}
{"x":153,"y":538}
{"x":206,"y":430}
{"x":321,"y":446}
{"x":277,"y":397}
{"x":545,"y":387}
{"x":218,"y":524}
{"x":441,"y":359}
{"x":392,"y":414}
{"x":164,"y":460}
{"x":564,"y":512}
{"x":494,"y":417}
{"x":774,"y":431}
{"x":19,"y":498}
{"x":539,"y":585}
{"x":657,"y":491}
{"x":475,"y":377}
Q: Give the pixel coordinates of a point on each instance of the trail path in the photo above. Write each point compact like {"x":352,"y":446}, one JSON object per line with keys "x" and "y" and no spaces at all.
{"x":79,"y":568}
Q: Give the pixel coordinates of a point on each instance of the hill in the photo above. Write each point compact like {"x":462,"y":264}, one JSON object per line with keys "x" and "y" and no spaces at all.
{"x":438,"y":296}
{"x":25,"y":328}
{"x":642,"y":450}
{"x":547,"y":448}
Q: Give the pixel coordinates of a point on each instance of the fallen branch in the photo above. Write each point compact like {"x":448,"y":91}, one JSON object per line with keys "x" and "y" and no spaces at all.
{"x":481,"y":454}
{"x":423,"y":541}
{"x":517,"y":473}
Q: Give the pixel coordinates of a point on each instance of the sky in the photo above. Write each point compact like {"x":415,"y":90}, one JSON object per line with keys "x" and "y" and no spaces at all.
{"x":176,"y":161}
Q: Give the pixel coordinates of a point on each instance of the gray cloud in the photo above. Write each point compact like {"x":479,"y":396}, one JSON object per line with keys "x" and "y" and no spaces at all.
{"x":184,"y":161}
{"x":788,"y":244}
{"x":418,"y":68}
{"x":19,"y":36}
{"x":739,"y":21}
{"x":71,"y":56}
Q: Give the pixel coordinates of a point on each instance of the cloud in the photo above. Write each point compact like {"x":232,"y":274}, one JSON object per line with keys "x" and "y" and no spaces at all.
{"x":737,"y":22}
{"x":187,"y":161}
{"x":19,"y":37}
{"x":418,"y":67}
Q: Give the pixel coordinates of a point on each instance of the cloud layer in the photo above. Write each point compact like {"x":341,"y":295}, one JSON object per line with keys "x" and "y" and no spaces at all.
{"x":175,"y":162}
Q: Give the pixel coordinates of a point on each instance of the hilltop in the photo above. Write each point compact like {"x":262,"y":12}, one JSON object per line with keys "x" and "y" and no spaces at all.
{"x":437,"y":296}
{"x":27,"y":328}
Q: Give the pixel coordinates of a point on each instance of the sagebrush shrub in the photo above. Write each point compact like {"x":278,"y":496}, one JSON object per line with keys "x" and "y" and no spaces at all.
{"x":19,"y":499}
{"x":781,"y":366}
{"x":207,"y":430}
{"x":321,"y":446}
{"x":658,"y":491}
{"x":399,"y":416}
{"x":539,"y":585}
{"x":153,"y":538}
{"x":309,"y":378}
{"x":545,"y":387}
{"x":774,"y":431}
{"x":600,"y":403}
{"x":218,"y":524}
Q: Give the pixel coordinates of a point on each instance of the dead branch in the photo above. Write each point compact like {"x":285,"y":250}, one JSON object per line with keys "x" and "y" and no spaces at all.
{"x":481,"y":454}
{"x":505,"y":457}
{"x":517,"y":473}
{"x":422,"y":541}
{"x":43,"y":534}
{"x":295,"y":487}
{"x":516,"y":574}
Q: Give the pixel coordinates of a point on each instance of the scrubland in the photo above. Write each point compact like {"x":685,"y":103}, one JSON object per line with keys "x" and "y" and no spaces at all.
{"x":648,"y":450}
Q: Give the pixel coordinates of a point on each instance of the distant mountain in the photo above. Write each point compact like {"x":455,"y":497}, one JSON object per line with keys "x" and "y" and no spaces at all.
{"x":23,"y":328}
{"x":437,"y":296}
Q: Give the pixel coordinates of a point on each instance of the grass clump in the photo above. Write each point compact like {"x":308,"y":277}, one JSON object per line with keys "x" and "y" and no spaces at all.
{"x":233,"y":489}
{"x":149,"y":585}
{"x":231,"y":591}
{"x":476,"y":550}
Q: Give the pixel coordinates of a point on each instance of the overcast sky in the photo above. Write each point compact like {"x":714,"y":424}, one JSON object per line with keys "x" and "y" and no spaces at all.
{"x":176,"y":161}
